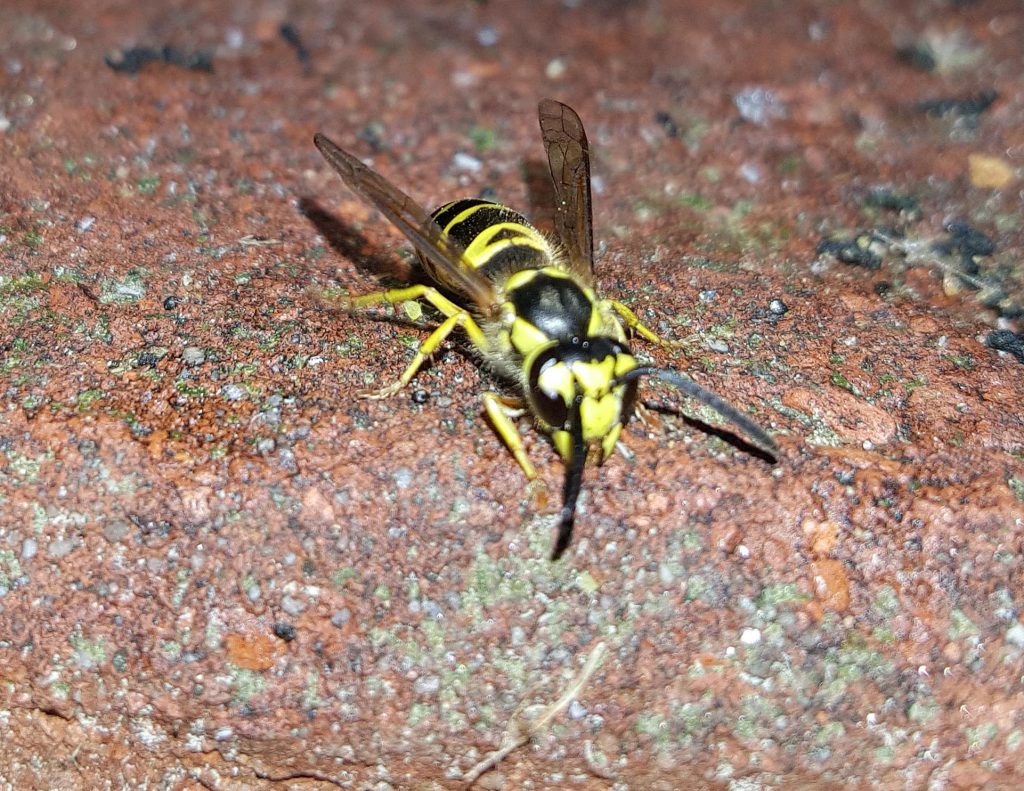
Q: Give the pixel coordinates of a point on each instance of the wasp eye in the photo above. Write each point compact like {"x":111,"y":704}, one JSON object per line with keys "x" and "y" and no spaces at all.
{"x":548,"y":402}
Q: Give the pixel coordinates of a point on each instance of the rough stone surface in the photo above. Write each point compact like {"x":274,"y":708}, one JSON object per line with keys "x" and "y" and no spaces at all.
{"x":220,"y":568}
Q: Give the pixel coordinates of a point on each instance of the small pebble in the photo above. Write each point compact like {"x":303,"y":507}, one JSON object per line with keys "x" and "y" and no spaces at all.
{"x":555,"y":69}
{"x":60,"y":548}
{"x":193,"y":355}
{"x":233,"y":392}
{"x":284,"y":631}
{"x":427,"y":685}
{"x":403,"y":477}
{"x":750,"y":636}
{"x":468,"y":162}
{"x":488,"y":36}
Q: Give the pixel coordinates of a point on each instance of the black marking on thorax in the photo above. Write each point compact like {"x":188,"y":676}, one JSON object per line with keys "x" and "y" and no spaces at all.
{"x":554,"y":305}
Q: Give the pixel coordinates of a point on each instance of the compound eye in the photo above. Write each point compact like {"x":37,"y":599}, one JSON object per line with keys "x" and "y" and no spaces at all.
{"x":548,"y":377}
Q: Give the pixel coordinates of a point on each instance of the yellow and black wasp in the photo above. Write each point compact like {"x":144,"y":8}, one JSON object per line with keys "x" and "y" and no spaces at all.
{"x":529,"y":307}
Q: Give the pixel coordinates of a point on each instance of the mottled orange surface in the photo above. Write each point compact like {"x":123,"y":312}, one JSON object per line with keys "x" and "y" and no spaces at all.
{"x":220,"y":568}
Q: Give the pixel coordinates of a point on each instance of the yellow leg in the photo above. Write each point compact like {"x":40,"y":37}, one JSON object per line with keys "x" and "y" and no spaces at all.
{"x":501,"y":411}
{"x":634,"y":324}
{"x":457,"y":317}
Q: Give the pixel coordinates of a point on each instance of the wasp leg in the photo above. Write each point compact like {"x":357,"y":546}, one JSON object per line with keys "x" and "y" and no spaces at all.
{"x":457,"y":317}
{"x":634,"y":324}
{"x":647,"y":417}
{"x":501,"y":411}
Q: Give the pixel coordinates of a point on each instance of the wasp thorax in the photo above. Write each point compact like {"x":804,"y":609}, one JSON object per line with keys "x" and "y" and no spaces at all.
{"x":583,"y":371}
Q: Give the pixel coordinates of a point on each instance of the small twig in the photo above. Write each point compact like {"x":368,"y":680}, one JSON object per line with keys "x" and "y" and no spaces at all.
{"x":516,"y":736}
{"x":253,"y":240}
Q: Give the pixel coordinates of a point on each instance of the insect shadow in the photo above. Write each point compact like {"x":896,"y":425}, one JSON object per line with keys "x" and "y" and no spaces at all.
{"x":387,"y":268}
{"x":347,"y":240}
{"x":737,"y":441}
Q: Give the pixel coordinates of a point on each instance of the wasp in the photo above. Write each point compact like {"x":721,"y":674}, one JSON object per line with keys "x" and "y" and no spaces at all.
{"x":528,"y":304}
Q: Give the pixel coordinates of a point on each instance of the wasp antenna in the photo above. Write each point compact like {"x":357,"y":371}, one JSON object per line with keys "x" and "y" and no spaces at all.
{"x":760,"y":437}
{"x":573,"y":482}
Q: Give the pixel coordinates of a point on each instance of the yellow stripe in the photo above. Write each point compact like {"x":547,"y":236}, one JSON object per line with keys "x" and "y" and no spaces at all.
{"x":520,"y":279}
{"x":482,"y":249}
{"x":465,"y":214}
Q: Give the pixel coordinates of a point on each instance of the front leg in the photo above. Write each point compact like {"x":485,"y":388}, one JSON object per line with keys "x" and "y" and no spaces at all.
{"x":634,"y":324}
{"x":456,"y":317}
{"x":502,"y":411}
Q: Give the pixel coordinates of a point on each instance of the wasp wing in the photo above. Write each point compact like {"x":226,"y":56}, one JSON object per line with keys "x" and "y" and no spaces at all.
{"x":442,"y":255}
{"x":569,"y":159}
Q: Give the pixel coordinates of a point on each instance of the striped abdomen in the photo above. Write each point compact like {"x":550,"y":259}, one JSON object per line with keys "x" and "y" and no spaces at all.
{"x":497,"y":240}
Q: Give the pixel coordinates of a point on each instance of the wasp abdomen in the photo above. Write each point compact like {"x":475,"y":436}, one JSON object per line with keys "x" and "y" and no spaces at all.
{"x":496,"y":239}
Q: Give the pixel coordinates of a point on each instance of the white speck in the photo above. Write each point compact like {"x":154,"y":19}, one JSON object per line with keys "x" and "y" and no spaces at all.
{"x":85,"y":224}
{"x":232,"y":392}
{"x":145,"y":731}
{"x":291,"y":605}
{"x":29,"y":547}
{"x":1015,"y":635}
{"x":403,"y":477}
{"x":468,"y":162}
{"x":759,"y":105}
{"x":463,"y":79}
{"x":555,"y":69}
{"x":922,"y":670}
{"x":851,"y":341}
{"x":750,"y":172}
{"x":223,"y":734}
{"x":312,"y":362}
{"x":193,"y":355}
{"x":750,"y":636}
{"x":730,"y":651}
{"x":743,"y":551}
{"x":234,"y":38}
{"x":577,"y":711}
{"x":427,"y":685}
{"x":488,"y":36}
{"x":60,"y":547}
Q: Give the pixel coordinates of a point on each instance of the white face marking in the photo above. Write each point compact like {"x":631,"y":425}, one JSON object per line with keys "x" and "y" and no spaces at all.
{"x":554,"y":379}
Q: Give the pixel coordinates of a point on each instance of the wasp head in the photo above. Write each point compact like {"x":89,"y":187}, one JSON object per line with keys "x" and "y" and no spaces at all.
{"x":577,"y":392}
{"x":575,"y":387}
{"x":583,"y":392}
